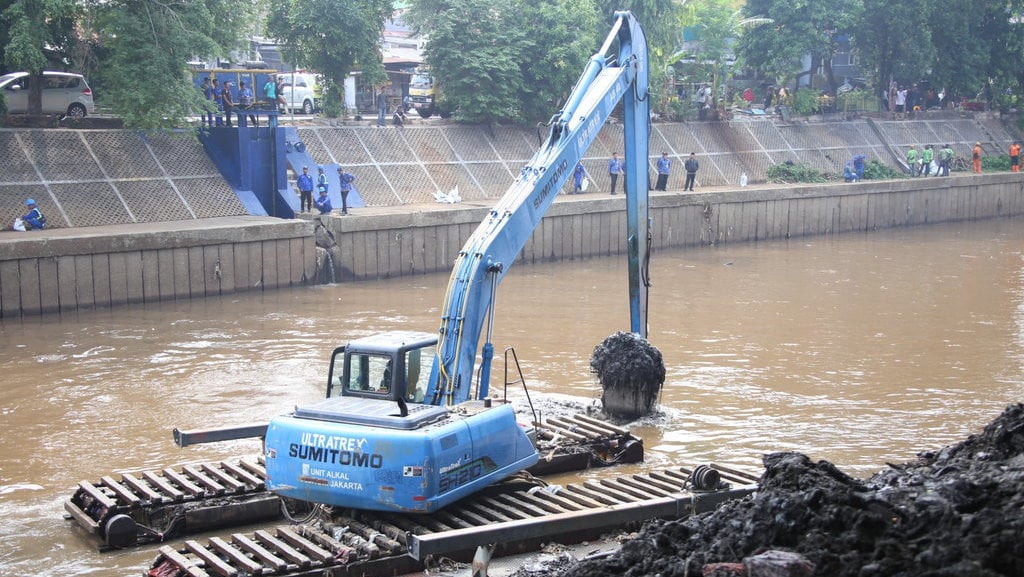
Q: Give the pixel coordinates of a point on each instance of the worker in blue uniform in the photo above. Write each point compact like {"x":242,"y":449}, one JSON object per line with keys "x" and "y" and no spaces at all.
{"x":305,"y":185}
{"x":323,"y":202}
{"x":34,"y":219}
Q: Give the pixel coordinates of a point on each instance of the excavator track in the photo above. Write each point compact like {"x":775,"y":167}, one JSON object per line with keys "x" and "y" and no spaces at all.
{"x":369,"y":543}
{"x":154,"y":506}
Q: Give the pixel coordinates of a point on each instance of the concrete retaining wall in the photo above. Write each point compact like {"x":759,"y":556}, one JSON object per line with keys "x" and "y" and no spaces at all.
{"x":64,"y":270}
{"x":391,"y":245}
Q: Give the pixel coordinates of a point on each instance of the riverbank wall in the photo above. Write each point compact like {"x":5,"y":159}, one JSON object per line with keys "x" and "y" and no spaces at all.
{"x":381,"y":244}
{"x":73,"y":269}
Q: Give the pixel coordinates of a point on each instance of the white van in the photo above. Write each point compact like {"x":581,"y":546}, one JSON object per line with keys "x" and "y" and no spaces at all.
{"x":300,"y":91}
{"x":63,"y":93}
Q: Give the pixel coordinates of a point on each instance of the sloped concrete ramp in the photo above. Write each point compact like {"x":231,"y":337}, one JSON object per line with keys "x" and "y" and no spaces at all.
{"x":109,"y":177}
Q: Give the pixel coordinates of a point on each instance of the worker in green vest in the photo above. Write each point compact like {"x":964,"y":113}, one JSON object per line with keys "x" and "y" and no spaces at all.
{"x":927,"y":155}
{"x":912,"y":160}
{"x":945,"y":159}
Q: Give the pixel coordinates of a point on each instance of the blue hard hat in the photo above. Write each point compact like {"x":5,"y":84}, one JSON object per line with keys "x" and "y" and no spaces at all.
{"x":29,"y":202}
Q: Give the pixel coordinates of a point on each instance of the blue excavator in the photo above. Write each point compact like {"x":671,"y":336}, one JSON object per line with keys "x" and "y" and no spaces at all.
{"x":404,"y":426}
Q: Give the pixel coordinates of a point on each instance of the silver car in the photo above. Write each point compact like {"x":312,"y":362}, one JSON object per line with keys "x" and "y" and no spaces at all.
{"x":63,"y":93}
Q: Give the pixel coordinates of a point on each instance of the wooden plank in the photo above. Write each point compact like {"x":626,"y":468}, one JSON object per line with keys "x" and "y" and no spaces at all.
{"x":236,"y":556}
{"x":222,"y":477}
{"x":305,"y":544}
{"x":28,"y":272}
{"x":97,"y":494}
{"x":162,"y":484}
{"x":198,"y":476}
{"x":258,"y":551}
{"x":140,"y":487}
{"x":211,"y":559}
{"x":183,"y":482}
{"x":283,"y":549}
{"x":182,"y":562}
{"x":49,"y":299}
{"x":120,"y":490}
{"x":254,"y":468}
{"x":242,"y":474}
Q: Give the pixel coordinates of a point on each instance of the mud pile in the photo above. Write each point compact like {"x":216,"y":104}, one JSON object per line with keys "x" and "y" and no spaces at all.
{"x":956,"y":512}
{"x":631,"y":371}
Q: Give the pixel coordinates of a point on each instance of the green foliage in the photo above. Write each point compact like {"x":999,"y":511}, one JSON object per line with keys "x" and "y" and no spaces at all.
{"x":875,"y":170}
{"x":149,"y":42}
{"x":859,"y":99}
{"x":332,"y":37}
{"x":332,"y":103}
{"x":806,"y":102}
{"x":506,"y":60}
{"x":995,"y":163}
{"x":791,"y":172}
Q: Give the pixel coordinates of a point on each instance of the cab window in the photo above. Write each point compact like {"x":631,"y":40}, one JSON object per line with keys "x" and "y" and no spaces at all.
{"x":370,"y":373}
{"x":419,"y":363}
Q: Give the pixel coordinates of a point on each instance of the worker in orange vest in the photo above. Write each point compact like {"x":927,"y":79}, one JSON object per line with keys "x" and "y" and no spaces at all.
{"x":1015,"y":156}
{"x":976,"y":157}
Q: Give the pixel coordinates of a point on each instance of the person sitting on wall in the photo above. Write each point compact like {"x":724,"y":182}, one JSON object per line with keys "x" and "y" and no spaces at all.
{"x":323,"y":202}
{"x":398,"y":118}
{"x":34,"y":219}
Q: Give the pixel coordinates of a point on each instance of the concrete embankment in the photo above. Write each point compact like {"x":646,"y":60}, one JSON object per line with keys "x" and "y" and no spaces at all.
{"x":392,"y":242}
{"x":71,"y":269}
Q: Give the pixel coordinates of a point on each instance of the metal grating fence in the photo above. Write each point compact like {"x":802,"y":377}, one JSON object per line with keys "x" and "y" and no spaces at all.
{"x":85,"y":178}
{"x":103,"y":177}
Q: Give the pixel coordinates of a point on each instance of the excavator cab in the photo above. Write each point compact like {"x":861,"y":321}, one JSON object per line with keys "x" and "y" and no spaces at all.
{"x":395,"y":365}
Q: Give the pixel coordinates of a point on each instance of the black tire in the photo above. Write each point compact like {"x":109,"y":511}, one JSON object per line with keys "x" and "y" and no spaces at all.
{"x":307,"y":107}
{"x":425,"y":112}
{"x":76,"y":110}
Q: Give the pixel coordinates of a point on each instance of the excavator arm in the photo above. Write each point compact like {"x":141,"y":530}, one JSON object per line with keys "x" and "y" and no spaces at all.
{"x":494,"y":246}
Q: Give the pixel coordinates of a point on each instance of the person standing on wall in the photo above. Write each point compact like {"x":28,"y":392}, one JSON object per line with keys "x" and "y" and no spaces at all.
{"x":245,"y":102}
{"x":208,"y":95}
{"x":614,"y":169}
{"x":692,"y":165}
{"x":229,"y":104}
{"x":218,"y":100}
{"x":664,"y":165}
{"x":382,"y":106}
{"x":912,"y":157}
{"x":305,"y":185}
{"x":1015,"y":156}
{"x":976,"y":158}
{"x":945,"y":159}
{"x":346,"y":179}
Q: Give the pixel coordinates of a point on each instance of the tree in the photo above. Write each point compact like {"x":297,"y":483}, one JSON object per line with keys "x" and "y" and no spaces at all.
{"x":38,"y":32}
{"x":717,"y":25}
{"x":150,"y":43}
{"x":332,"y":37}
{"x":894,"y":41}
{"x":799,"y":28}
{"x":506,"y":60}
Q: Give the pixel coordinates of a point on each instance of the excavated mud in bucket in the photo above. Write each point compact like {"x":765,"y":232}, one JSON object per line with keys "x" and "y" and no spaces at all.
{"x":631,"y":372}
{"x":955,"y":513}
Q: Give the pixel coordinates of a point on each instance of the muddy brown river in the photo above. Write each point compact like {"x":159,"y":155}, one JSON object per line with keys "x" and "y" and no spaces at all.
{"x":860,"y":349}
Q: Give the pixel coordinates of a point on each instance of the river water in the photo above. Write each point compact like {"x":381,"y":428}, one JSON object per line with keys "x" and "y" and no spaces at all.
{"x":861,"y":349}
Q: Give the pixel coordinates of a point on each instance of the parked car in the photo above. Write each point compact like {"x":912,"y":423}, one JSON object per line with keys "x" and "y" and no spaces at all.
{"x":300,"y":91}
{"x":63,"y":93}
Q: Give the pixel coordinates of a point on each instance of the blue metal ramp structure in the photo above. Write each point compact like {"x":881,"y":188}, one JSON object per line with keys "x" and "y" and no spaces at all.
{"x":297,"y":156}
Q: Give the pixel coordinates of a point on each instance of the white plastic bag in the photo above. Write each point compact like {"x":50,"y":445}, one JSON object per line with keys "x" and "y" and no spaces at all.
{"x":585,"y":184}
{"x":19,"y":224}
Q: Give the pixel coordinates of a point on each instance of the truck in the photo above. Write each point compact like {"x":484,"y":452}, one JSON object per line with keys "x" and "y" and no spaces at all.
{"x":423,"y":93}
{"x":408,"y":424}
